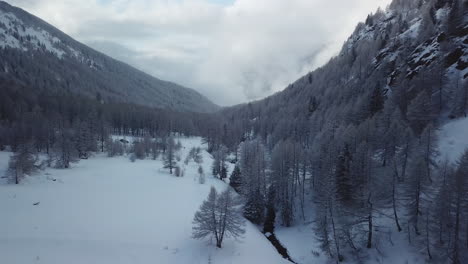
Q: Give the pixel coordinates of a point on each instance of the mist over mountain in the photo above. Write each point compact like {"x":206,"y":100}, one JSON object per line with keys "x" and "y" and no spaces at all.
{"x":410,"y":49}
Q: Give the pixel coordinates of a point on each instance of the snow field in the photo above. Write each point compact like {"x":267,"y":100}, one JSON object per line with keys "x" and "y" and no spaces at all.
{"x":110,"y":210}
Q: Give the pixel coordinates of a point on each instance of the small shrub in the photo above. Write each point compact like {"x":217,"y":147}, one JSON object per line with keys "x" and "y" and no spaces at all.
{"x":201,"y":179}
{"x":187,"y":160}
{"x":178,"y":172}
{"x":133,"y":157}
{"x":178,"y":146}
{"x":139,"y":150}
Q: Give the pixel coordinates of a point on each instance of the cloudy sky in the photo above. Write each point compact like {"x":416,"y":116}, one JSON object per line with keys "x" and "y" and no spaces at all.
{"x":232,"y":51}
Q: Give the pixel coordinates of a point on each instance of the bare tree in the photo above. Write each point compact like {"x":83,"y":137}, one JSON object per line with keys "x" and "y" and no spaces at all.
{"x":219,"y":216}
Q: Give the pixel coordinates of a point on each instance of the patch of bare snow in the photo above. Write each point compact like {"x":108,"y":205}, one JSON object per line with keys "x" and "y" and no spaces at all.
{"x":453,"y":140}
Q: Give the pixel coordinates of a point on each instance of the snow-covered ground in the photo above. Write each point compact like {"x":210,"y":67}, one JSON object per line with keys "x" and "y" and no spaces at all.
{"x":301,"y":243}
{"x":110,"y":210}
{"x":453,"y":139}
{"x":390,"y":246}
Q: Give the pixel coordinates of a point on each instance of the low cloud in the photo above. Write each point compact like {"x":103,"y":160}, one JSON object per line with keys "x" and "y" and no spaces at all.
{"x":231,"y":51}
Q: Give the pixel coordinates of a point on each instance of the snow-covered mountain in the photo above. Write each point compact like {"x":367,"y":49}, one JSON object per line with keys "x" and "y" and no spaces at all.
{"x":397,"y":50}
{"x":428,"y":35}
{"x":42,"y":57}
{"x":364,"y":125}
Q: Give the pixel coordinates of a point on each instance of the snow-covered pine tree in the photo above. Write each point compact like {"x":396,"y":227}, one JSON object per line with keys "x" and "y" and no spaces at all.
{"x":21,"y":163}
{"x":64,"y":146}
{"x":219,"y":162}
{"x":235,"y":181}
{"x":343,"y":176}
{"x":169,"y":155}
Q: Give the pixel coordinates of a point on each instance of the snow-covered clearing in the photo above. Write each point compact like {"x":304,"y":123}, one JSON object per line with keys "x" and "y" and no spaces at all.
{"x":453,"y":139}
{"x":110,"y":210}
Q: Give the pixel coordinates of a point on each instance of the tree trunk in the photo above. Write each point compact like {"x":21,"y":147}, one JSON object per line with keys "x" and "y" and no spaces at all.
{"x":369,"y":219}
{"x":440,"y":99}
{"x":441,"y":241}
{"x":428,"y":158}
{"x":405,"y":162}
{"x":456,"y":257}
{"x":395,"y":213}
{"x":303,"y":190}
{"x":337,"y":244}
{"x":417,"y":198}
{"x":16,"y":174}
{"x":428,"y":244}
{"x":409,"y":233}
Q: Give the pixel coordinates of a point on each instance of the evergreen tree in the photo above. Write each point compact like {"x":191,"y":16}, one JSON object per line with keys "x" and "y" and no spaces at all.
{"x":22,"y":163}
{"x":65,"y":148}
{"x":254,"y":209}
{"x":377,"y":100}
{"x":219,"y":162}
{"x":343,"y":183}
{"x":270,"y":218}
{"x":169,"y":156}
{"x":223,"y":173}
{"x":235,"y":181}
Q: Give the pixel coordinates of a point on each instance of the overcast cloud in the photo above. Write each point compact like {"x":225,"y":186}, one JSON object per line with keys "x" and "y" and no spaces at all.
{"x":232,"y":51}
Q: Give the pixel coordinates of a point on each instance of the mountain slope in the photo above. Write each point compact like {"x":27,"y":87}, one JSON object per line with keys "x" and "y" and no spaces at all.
{"x":42,"y":57}
{"x":406,"y":49}
{"x":358,"y":137}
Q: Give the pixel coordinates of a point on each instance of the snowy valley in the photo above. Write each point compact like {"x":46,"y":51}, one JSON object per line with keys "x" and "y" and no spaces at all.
{"x":363,"y":160}
{"x":112,"y":210}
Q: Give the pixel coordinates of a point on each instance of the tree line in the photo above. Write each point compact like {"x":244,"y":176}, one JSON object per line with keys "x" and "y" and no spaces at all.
{"x":65,"y":127}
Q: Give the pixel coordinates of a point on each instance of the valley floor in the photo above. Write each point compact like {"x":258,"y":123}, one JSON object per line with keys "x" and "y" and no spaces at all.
{"x":110,"y":210}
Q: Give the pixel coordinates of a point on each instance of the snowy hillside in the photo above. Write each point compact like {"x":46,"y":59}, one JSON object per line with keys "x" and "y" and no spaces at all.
{"x":27,"y":43}
{"x":359,"y":136}
{"x":110,"y":210}
{"x":12,"y":30}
